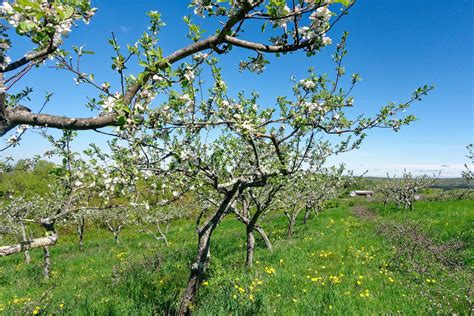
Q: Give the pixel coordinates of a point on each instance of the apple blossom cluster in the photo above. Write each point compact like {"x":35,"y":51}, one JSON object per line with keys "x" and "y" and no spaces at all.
{"x":201,"y":6}
{"x":109,"y":103}
{"x":5,"y":61}
{"x":15,"y":138}
{"x":318,"y":28}
{"x":256,"y":65}
{"x":45,"y":17}
{"x":145,"y":97}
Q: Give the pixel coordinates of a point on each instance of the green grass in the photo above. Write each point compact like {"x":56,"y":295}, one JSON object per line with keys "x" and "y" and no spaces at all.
{"x":335,"y":264}
{"x":443,"y":221}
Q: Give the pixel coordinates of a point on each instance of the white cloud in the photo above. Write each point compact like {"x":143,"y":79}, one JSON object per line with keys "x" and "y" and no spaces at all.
{"x":380,"y":170}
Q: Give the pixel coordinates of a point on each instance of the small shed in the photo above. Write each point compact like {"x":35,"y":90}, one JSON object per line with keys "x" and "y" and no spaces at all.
{"x":366,"y":193}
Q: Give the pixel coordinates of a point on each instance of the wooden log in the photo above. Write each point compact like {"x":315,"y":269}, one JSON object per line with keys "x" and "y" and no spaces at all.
{"x":27,"y":245}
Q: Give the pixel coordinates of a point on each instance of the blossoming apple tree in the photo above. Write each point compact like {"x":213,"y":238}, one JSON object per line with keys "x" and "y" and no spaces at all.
{"x":406,"y":189}
{"x":198,"y":133}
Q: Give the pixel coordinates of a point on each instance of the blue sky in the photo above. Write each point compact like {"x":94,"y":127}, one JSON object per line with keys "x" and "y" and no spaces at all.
{"x":396,"y":46}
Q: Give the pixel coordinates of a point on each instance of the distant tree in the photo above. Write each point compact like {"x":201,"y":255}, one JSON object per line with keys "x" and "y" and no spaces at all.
{"x":405,"y":190}
{"x":468,"y":174}
{"x":324,"y":186}
{"x":308,"y":191}
{"x":28,"y":177}
{"x":385,"y":188}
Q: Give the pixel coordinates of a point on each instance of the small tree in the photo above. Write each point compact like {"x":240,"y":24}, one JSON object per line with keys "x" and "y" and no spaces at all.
{"x":324,"y":186}
{"x":405,"y":190}
{"x":15,"y":212}
{"x":468,"y":174}
{"x":385,"y":188}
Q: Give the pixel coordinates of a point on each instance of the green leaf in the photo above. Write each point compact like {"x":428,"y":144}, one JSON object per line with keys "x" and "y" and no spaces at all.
{"x":343,"y":2}
{"x":68,"y":12}
{"x":25,"y":27}
{"x":121,"y":120}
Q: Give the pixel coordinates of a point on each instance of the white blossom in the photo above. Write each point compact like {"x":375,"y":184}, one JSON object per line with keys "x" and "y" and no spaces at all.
{"x":326,"y":41}
{"x":6,"y":8}
{"x":307,"y":84}
{"x":109,"y":104}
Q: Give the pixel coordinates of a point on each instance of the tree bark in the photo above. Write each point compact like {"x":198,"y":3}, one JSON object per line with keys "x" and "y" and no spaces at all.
{"x":200,"y":265}
{"x":198,"y":268}
{"x":25,"y":239}
{"x":30,"y":244}
{"x":265,"y":238}
{"x":306,"y":215}
{"x":80,"y":232}
{"x":291,"y":226}
{"x":116,"y":236}
{"x":250,"y":246}
{"x":47,"y":262}
{"x":292,"y":220}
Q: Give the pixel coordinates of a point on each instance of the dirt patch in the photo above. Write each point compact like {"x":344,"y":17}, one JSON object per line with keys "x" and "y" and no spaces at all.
{"x":363,"y":213}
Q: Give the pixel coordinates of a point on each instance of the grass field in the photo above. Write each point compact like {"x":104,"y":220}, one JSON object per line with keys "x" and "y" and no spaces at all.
{"x":338,"y":263}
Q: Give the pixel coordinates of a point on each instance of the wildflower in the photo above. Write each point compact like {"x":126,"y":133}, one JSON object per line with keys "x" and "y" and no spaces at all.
{"x":364,"y":293}
{"x":205,"y":283}
{"x":36,"y":310}
{"x":270,"y":270}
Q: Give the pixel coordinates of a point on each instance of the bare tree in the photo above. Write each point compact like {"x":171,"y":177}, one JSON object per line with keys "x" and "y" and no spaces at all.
{"x":405,"y":190}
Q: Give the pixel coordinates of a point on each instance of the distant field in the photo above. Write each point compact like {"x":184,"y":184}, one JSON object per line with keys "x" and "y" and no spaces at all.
{"x":339,"y":263}
{"x":441,"y":183}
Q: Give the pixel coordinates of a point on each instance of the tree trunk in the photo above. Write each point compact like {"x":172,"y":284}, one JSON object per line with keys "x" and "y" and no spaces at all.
{"x":80,"y":231}
{"x":200,"y":265}
{"x":250,"y":246}
{"x":264,"y":236}
{"x":292,"y":220}
{"x":306,"y":215}
{"x":291,"y":226}
{"x":47,"y":262}
{"x":25,"y":239}
{"x":116,"y":236}
{"x":198,"y":268}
